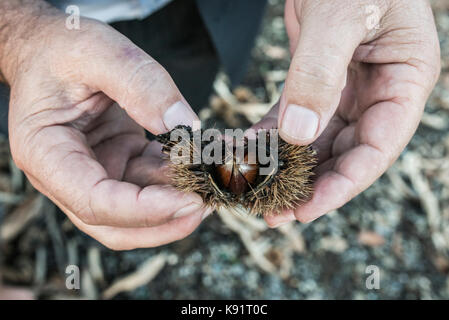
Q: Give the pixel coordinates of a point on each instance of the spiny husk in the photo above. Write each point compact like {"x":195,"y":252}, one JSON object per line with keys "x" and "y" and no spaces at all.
{"x":289,"y":186}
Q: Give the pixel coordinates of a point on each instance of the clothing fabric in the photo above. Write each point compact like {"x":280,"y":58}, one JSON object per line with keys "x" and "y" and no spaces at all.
{"x":113,"y":10}
{"x":177,"y":38}
{"x":190,"y":38}
{"x":232,"y":24}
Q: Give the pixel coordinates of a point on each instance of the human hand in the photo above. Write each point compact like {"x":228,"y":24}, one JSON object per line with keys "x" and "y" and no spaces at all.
{"x":74,"y":95}
{"x":356,"y":92}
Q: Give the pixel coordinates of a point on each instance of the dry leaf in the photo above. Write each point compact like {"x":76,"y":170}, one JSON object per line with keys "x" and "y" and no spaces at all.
{"x":256,"y":249}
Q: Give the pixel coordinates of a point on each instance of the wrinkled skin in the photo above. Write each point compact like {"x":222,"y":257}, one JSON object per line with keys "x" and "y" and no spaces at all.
{"x":368,"y":87}
{"x":82,"y":150}
{"x":80,"y":100}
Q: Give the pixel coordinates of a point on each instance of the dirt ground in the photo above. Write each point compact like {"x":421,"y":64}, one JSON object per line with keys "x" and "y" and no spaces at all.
{"x":400,"y":225}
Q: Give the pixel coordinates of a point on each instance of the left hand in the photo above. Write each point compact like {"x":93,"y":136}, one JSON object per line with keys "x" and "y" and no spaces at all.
{"x":76,"y":127}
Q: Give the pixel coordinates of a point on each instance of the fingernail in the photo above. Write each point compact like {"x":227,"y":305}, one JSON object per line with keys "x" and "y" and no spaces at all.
{"x":186,"y":211}
{"x":300,"y":123}
{"x":178,"y":114}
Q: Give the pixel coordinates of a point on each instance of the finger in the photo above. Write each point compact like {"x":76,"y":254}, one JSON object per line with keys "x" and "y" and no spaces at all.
{"x":269,"y":121}
{"x":322,"y":145}
{"x":149,"y":168}
{"x":132,"y":238}
{"x":75,"y":179}
{"x":135,"y":81}
{"x":317,"y":74}
{"x":115,"y":153}
{"x":277,"y":220}
{"x":380,"y":136}
{"x":112,"y":122}
{"x":421,"y":47}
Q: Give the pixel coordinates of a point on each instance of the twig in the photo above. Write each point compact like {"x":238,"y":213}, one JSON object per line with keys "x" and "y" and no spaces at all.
{"x":40,"y":270}
{"x":88,"y":288}
{"x":56,"y":237}
{"x":256,"y":249}
{"x":95,"y":266}
{"x":143,"y":275}
{"x":294,"y":237}
{"x":16,"y":221}
{"x":412,"y":165}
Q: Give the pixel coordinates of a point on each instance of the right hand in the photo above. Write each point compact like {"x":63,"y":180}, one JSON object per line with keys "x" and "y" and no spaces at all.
{"x":79,"y":102}
{"x":354,"y":90}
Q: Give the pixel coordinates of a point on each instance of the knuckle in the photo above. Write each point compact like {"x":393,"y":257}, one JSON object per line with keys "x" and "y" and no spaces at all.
{"x":153,"y":221}
{"x":316,"y":74}
{"x":87,"y":216}
{"x":187,"y":226}
{"x":143,"y":78}
{"x":430,"y":70}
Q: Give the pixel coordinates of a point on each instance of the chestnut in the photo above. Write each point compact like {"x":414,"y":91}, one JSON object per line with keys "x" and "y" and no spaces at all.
{"x":237,"y":177}
{"x":232,"y":183}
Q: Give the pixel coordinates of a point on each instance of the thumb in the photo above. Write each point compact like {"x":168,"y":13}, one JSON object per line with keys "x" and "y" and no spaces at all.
{"x":137,"y":82}
{"x":325,"y":45}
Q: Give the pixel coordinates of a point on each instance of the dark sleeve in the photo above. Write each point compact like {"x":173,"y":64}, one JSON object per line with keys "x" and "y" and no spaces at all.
{"x":233,"y":26}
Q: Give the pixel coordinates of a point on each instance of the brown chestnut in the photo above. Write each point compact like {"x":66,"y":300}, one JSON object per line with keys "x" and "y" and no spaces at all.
{"x":237,"y":177}
{"x":239,"y":183}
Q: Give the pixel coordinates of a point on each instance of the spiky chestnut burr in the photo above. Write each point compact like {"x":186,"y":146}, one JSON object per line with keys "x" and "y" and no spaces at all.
{"x":231,"y":183}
